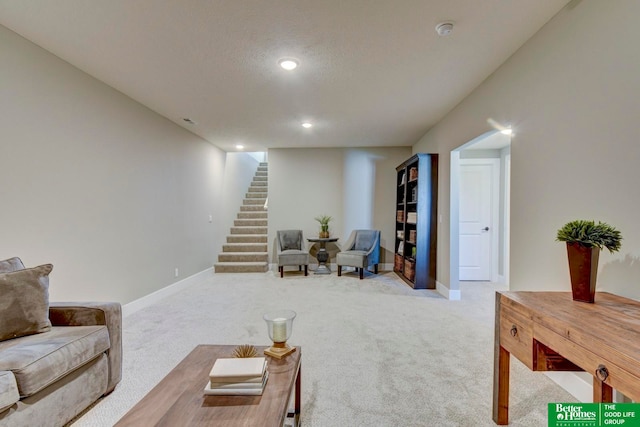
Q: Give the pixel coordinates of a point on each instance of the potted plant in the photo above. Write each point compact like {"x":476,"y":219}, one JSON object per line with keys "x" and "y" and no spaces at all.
{"x":584,"y":241}
{"x":324,"y":225}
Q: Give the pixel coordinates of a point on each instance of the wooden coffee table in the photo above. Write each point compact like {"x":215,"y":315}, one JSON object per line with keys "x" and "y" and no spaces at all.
{"x":178,"y":400}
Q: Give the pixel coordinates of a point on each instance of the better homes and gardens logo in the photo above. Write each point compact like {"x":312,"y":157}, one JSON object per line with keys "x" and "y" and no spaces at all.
{"x":573,"y":415}
{"x":594,"y":414}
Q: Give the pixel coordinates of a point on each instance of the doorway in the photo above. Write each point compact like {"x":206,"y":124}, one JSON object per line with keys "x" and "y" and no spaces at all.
{"x":479,"y":234}
{"x":479,"y":230}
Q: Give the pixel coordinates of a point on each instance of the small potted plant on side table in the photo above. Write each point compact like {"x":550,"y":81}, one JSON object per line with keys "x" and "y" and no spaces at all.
{"x":324,"y":225}
{"x":584,"y":241}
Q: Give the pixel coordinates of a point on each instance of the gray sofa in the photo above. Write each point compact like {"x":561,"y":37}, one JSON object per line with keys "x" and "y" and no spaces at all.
{"x":52,"y":369}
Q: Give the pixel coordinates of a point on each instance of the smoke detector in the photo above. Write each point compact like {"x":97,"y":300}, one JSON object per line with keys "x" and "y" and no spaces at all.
{"x":444,"y":28}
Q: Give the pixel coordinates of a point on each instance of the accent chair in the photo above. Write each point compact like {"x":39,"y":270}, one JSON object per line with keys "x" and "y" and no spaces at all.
{"x":361,"y":250}
{"x":292,"y":251}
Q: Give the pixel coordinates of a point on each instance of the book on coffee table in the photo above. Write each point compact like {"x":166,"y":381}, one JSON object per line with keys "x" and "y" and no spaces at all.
{"x":238,"y":370}
{"x":253,"y":389}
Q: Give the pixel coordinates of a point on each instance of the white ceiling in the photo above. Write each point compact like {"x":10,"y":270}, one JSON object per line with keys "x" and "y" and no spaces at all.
{"x":372,"y":72}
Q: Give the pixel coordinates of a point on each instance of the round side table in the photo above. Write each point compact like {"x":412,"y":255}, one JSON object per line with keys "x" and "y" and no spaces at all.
{"x":322,"y":255}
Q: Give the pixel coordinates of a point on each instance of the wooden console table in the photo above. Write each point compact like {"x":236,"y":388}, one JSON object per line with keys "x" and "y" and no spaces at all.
{"x":548,"y":331}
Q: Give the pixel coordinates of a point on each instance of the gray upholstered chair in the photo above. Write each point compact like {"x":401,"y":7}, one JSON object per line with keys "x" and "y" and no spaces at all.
{"x":291,"y":250}
{"x":361,"y":250}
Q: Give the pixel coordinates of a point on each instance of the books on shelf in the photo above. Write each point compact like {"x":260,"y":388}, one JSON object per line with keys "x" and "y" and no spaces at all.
{"x":412,"y":217}
{"x":413,"y":174}
{"x":246,"y":376}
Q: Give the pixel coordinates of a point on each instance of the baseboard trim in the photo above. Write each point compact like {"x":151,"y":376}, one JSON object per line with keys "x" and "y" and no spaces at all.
{"x":169,"y":290}
{"x":453,"y":295}
{"x":574,"y":383}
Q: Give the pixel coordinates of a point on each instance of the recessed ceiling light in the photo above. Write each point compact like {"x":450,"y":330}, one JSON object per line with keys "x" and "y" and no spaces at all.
{"x":307,"y":125}
{"x":288,"y":63}
{"x":506,"y":131}
{"x":240,"y":147}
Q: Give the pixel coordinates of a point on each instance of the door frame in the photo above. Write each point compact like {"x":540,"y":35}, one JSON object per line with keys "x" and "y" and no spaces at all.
{"x":495,"y":209}
{"x":454,"y":216}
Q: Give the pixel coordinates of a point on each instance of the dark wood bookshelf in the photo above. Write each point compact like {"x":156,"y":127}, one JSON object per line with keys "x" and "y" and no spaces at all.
{"x":416,"y":220}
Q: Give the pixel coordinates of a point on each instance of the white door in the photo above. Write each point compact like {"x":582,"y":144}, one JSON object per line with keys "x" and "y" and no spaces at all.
{"x":478,"y":197}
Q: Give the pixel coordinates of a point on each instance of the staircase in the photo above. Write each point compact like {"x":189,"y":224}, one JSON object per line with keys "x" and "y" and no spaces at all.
{"x":246,"y":247}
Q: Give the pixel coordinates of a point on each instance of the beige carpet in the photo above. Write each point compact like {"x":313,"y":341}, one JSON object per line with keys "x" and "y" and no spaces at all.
{"x":375,"y":351}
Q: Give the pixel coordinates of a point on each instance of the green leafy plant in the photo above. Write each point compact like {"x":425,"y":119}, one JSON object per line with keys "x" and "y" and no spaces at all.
{"x":324,"y":222}
{"x":589,"y":234}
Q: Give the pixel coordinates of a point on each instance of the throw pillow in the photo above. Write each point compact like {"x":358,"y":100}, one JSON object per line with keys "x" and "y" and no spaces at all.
{"x":11,"y":264}
{"x":290,"y":241}
{"x":24,"y":306}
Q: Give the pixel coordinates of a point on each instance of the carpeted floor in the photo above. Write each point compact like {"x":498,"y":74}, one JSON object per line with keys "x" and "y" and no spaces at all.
{"x":375,"y":352}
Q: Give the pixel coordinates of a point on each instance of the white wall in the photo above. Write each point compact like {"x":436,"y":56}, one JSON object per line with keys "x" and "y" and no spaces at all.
{"x":355,"y":186}
{"x":571,"y":95}
{"x":114,"y":195}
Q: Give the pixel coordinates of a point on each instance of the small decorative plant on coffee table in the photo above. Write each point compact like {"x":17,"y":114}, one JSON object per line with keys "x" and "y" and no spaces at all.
{"x":584,"y":241}
{"x":324,"y":225}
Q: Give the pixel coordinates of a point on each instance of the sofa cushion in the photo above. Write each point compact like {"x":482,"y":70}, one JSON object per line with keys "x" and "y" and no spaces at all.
{"x":8,"y":390}
{"x":11,"y":264}
{"x":39,"y":360}
{"x":24,"y":306}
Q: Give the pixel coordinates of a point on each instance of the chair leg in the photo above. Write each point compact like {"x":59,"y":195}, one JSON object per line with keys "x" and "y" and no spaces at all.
{"x":306,"y":271}
{"x":361,"y":273}
{"x":339,"y":270}
{"x":281,"y":268}
{"x":299,"y":268}
{"x":375,"y":268}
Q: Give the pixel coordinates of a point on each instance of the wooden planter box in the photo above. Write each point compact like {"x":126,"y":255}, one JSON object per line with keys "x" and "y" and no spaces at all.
{"x":410,"y":269}
{"x":398,"y":263}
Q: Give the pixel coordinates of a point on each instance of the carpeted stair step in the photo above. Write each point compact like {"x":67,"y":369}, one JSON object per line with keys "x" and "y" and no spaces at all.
{"x":256,"y":195}
{"x":240,"y":267}
{"x":253,"y":215}
{"x":260,"y":189}
{"x":249,"y":230}
{"x":252,"y":208}
{"x":259,"y":184}
{"x":254,"y":202}
{"x":243,"y":257}
{"x":244,"y":247}
{"x":250,"y":222}
{"x":261,"y":173}
{"x":247,"y":238}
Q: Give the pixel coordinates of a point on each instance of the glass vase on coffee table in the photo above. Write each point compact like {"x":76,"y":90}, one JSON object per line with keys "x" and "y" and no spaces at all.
{"x":279,"y":327}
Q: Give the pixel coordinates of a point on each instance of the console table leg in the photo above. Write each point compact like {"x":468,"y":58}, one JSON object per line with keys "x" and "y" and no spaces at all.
{"x":501,"y":387}
{"x":602,"y":392}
